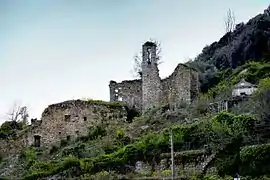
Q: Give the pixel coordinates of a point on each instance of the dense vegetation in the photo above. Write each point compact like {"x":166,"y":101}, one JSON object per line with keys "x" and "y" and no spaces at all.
{"x":238,"y":139}
{"x":9,"y":128}
{"x":248,"y":41}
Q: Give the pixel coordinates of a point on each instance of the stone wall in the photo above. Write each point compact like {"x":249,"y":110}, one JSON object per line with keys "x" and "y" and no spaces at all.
{"x":151,"y":91}
{"x":190,"y":160}
{"x":184,"y":162}
{"x":64,"y":121}
{"x":129,"y":92}
{"x":195,"y":86}
{"x":70,"y":119}
{"x":12,"y":146}
{"x":182,"y":84}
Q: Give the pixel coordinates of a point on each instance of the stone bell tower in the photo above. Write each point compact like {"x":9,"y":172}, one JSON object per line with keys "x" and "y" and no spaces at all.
{"x":151,"y":83}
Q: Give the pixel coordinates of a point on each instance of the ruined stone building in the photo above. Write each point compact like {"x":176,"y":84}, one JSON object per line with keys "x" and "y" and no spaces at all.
{"x":67,"y":121}
{"x":71,"y":119}
{"x":151,"y":90}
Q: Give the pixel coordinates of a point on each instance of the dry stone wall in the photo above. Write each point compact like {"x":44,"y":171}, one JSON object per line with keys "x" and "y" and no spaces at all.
{"x":184,"y":162}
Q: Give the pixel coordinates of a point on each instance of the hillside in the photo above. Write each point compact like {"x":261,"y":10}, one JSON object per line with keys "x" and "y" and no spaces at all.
{"x":247,"y":42}
{"x":208,"y":143}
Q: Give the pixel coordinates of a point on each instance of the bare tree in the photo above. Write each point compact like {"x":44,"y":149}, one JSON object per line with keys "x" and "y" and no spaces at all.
{"x":18,"y":113}
{"x":137,"y":66}
{"x":229,"y":21}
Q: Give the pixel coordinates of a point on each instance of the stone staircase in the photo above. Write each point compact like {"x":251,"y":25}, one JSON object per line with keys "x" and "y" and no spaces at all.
{"x":206,"y":163}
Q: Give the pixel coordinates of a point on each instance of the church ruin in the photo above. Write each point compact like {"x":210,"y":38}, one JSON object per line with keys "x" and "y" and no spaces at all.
{"x":68,"y":120}
{"x":151,"y":90}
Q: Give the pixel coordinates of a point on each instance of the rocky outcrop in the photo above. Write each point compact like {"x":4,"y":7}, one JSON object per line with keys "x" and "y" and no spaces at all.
{"x":250,"y":41}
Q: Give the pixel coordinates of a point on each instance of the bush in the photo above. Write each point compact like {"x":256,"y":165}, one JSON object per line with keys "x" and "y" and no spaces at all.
{"x":208,"y":75}
{"x":120,"y":134}
{"x":54,"y":149}
{"x":45,"y":169}
{"x":225,"y":133}
{"x":119,"y":105}
{"x":259,"y":105}
{"x":103,"y":175}
{"x":63,"y":142}
{"x":29,"y":156}
{"x":9,"y":128}
{"x":202,"y":107}
{"x":96,"y":131}
{"x":75,"y":150}
{"x":255,"y":160}
{"x":253,"y":72}
{"x":261,"y":100}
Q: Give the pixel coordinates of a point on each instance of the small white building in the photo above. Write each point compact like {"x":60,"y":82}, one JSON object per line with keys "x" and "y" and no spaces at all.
{"x":243,"y":88}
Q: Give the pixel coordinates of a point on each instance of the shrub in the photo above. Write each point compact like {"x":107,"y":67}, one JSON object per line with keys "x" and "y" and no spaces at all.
{"x":53,"y":149}
{"x":76,"y":150}
{"x":96,"y":131}
{"x":63,"y":142}
{"x":29,"y":155}
{"x":259,"y":105}
{"x":45,"y":169}
{"x":166,"y":173}
{"x":101,"y":176}
{"x":9,"y":128}
{"x":120,"y":134}
{"x":109,"y":104}
{"x":201,"y":107}
{"x":255,"y":160}
{"x":255,"y":71}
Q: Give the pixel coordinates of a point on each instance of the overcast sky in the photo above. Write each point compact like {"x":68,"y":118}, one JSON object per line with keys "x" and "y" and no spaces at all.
{"x":56,"y":50}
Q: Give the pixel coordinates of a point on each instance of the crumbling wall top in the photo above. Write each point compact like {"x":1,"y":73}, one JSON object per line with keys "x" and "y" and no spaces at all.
{"x":178,"y":69}
{"x":181,"y":65}
{"x":149,"y":43}
{"x":82,"y":104}
{"x":126,"y":81}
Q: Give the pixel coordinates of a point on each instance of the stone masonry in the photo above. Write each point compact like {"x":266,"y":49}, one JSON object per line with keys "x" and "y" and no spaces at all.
{"x":71,"y":119}
{"x":151,"y":90}
{"x":64,"y":121}
{"x":127,"y":91}
{"x":151,"y":82}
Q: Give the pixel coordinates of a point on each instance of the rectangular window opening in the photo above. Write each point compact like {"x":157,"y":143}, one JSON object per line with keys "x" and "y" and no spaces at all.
{"x":37,"y":140}
{"x":67,"y":117}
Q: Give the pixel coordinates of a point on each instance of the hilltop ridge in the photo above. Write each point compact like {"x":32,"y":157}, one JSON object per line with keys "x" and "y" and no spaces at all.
{"x":248,"y":41}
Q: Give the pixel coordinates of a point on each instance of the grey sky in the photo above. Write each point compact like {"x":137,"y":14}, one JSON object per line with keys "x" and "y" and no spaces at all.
{"x":51,"y":51}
